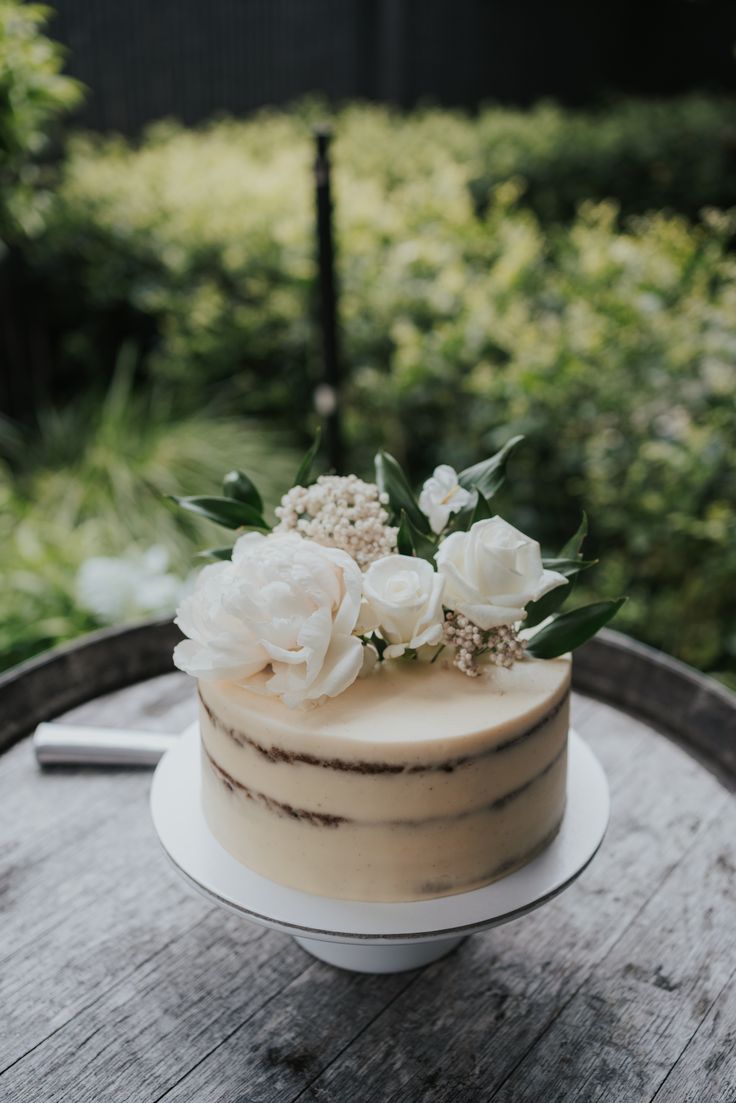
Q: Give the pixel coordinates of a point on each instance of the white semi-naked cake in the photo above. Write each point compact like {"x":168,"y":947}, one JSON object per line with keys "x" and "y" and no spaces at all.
{"x":384,"y":682}
{"x":415,"y":782}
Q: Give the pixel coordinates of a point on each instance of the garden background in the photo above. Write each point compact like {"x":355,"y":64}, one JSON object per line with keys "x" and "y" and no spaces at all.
{"x":563,"y":272}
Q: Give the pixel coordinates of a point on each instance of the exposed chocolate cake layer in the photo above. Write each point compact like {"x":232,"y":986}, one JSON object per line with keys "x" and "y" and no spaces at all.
{"x":321,"y":819}
{"x":280,"y":754}
{"x":317,"y":818}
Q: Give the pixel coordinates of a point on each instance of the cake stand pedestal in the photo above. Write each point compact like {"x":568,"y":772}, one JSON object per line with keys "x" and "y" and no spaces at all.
{"x":372,"y":937}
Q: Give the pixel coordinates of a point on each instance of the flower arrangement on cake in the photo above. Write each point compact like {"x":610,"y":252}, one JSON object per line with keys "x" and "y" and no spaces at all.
{"x":354,"y":573}
{"x":432,"y":637}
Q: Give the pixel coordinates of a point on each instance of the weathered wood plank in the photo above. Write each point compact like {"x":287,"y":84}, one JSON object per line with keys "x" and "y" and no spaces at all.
{"x":706,"y":1070}
{"x":291,"y":1040}
{"x":58,"y":680}
{"x":685,"y":703}
{"x":85,"y":895}
{"x":650,"y":994}
{"x":144,"y":1032}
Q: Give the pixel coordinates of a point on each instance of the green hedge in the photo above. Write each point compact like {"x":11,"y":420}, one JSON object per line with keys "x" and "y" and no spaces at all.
{"x":33,"y":95}
{"x":676,"y":154}
{"x":609,"y":341}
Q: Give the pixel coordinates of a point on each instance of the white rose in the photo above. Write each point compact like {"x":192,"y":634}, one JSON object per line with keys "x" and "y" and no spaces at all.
{"x":403,"y":597}
{"x":282,"y":602}
{"x":441,"y":496}
{"x":492,"y":572}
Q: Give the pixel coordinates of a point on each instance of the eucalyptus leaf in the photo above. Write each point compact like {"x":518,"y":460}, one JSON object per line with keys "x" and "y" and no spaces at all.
{"x":303,"y":475}
{"x":215,"y":553}
{"x":488,"y":475}
{"x":571,"y":549}
{"x":392,"y":481}
{"x":236,"y":484}
{"x":569,"y":630}
{"x":228,"y":512}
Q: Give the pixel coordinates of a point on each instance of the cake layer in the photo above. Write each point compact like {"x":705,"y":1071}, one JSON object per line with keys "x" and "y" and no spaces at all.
{"x":370,"y":790}
{"x":403,"y":713}
{"x":415,"y":782}
{"x":390,"y":860}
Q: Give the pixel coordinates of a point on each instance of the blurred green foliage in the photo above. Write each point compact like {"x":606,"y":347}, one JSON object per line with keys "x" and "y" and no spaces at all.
{"x":33,"y":94}
{"x":479,"y":299}
{"x":91,"y":479}
{"x":677,"y":154}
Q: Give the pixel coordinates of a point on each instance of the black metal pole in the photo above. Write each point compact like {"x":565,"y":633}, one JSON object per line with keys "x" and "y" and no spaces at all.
{"x":327,"y":393}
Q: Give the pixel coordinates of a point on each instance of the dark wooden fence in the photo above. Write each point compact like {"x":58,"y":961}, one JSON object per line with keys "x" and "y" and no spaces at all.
{"x":144,"y":59}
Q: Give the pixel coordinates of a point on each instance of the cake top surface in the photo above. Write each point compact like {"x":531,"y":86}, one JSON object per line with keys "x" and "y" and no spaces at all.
{"x":410,"y":706}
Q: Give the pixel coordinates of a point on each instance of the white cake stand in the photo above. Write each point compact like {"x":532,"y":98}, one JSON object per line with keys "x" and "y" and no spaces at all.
{"x":369,"y":937}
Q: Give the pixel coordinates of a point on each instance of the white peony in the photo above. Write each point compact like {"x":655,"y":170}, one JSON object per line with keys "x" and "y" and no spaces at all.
{"x":492,"y":572}
{"x":442,"y":496}
{"x":403,"y":599}
{"x":282,"y":603}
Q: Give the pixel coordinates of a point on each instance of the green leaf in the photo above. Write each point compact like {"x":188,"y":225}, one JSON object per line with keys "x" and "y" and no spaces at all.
{"x":565,"y":564}
{"x":488,"y":475}
{"x":482,"y":510}
{"x":412,"y":542}
{"x":215,"y":553}
{"x":236,"y":484}
{"x":478,"y":509}
{"x":570,"y":630}
{"x":404,"y":539}
{"x":571,"y":550}
{"x":305,"y":467}
{"x":549,"y":603}
{"x":392,"y":481}
{"x":223,"y":511}
{"x":569,"y":567}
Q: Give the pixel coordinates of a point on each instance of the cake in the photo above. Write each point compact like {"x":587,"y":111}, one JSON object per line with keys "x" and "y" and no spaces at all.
{"x":415,"y":782}
{"x":383,"y":683}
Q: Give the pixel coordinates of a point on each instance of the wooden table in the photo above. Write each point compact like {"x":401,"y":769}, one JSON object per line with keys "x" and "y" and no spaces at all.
{"x":118,"y":984}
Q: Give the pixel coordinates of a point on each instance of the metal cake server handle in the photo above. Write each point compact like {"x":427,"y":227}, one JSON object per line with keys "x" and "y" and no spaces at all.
{"x":68,"y":744}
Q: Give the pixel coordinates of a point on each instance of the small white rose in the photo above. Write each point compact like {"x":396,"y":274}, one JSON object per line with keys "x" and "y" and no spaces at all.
{"x":403,"y":599}
{"x":442,"y":496}
{"x":492,"y":572}
{"x":284,"y":603}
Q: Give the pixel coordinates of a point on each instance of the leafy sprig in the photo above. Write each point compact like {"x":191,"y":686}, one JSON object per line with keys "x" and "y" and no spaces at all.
{"x":241,"y":507}
{"x":566,"y":631}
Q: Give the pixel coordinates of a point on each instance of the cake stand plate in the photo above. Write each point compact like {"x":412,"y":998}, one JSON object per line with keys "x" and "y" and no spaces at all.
{"x":372,"y":937}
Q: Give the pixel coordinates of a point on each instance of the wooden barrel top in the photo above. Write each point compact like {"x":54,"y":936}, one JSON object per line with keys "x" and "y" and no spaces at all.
{"x":119,"y":984}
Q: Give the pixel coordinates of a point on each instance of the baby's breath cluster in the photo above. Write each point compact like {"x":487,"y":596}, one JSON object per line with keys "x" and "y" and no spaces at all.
{"x":502,"y":646}
{"x":340,"y":512}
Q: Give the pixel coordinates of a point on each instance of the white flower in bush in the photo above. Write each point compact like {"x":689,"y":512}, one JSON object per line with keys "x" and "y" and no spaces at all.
{"x":282,"y":603}
{"x":403,"y":598}
{"x":492,"y":572}
{"x":442,"y":496}
{"x":117,"y":588}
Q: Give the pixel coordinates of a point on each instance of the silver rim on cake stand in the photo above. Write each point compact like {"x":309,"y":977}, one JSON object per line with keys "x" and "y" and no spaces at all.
{"x":372,"y":937}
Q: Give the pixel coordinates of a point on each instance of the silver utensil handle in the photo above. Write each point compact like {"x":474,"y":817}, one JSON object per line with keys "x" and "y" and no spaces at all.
{"x":71,"y":745}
